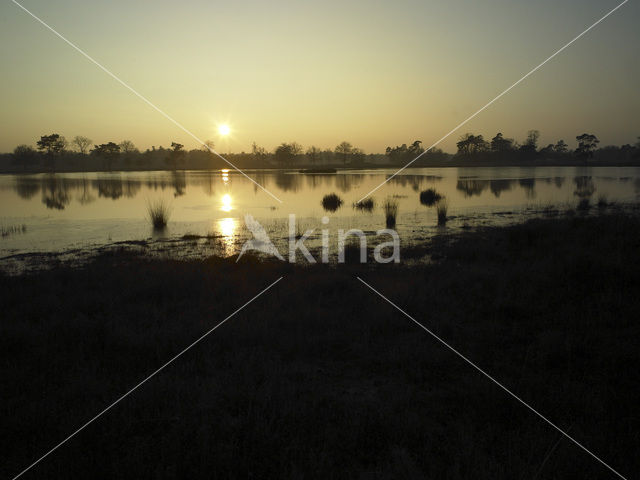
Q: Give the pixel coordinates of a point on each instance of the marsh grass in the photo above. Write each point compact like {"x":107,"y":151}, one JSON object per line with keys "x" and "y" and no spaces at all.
{"x":429,"y":197}
{"x":442,"y":207}
{"x":366,"y":205}
{"x":584,"y":204}
{"x":390,"y":208}
{"x":158,"y":212}
{"x":331,"y":202}
{"x":602,"y":201}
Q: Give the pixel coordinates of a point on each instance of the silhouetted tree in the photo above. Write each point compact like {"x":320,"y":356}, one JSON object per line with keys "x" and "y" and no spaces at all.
{"x":547,"y":151}
{"x":208,"y":146}
{"x":530,"y":145}
{"x":532,"y":139}
{"x":416,"y":149}
{"x":128,"y":149}
{"x":284,"y":154}
{"x":313,"y":154}
{"x":176,"y":154}
{"x":404,"y":153}
{"x":343,"y":150}
{"x":81,"y":143}
{"x":52,"y":146}
{"x":259,"y":153}
{"x":561,"y":147}
{"x":109,"y":152}
{"x":25,"y":155}
{"x":587,"y":143}
{"x":357,"y":156}
{"x":296,"y":149}
{"x":470,"y":144}
{"x":499,"y":144}
{"x":127,"y":146}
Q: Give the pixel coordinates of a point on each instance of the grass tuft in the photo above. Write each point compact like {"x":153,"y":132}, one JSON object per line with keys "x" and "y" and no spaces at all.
{"x":442,"y":206}
{"x":429,"y":197}
{"x":584,"y":204}
{"x":602,"y":201}
{"x":331,"y":202}
{"x":159,"y":212}
{"x":390,"y":208}
{"x":366,"y":205}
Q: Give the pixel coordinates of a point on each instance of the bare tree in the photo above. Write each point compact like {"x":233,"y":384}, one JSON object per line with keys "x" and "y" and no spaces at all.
{"x":208,"y":146}
{"x":344,"y":151}
{"x":127,"y":146}
{"x":313,"y":153}
{"x":81,"y":143}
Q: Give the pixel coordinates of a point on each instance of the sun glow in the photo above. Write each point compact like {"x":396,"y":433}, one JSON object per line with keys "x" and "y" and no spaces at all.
{"x":224,"y":129}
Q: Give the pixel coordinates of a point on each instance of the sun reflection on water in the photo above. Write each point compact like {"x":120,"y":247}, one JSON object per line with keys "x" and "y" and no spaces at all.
{"x":226,"y":203}
{"x":227,"y":228}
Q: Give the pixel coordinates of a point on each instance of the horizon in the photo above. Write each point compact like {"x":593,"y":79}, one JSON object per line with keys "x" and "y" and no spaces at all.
{"x":270,"y":150}
{"x":285,"y":72}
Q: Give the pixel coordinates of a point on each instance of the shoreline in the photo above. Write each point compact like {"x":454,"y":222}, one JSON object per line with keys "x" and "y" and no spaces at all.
{"x":199,"y":247}
{"x":440,"y":164}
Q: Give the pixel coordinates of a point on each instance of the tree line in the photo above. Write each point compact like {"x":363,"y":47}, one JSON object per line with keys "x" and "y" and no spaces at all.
{"x":78,"y":153}
{"x":470,"y":145}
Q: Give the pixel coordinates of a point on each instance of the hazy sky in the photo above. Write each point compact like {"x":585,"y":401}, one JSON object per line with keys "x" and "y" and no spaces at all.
{"x":375,"y":73}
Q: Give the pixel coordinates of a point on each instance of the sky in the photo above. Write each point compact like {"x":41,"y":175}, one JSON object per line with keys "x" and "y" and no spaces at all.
{"x":374,"y":73}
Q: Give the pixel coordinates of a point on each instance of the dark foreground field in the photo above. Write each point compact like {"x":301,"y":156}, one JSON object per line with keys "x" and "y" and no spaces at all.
{"x":321,"y":378}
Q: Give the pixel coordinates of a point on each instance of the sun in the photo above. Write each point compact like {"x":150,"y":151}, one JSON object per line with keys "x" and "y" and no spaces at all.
{"x":224,"y":129}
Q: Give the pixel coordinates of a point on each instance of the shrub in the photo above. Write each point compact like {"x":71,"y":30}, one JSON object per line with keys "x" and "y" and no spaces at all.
{"x":429,"y":197}
{"x":331,"y":202}
{"x":366,"y":205}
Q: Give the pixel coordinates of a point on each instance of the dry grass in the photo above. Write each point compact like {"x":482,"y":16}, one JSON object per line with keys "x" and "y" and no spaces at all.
{"x":442,"y":206}
{"x":390,"y":208}
{"x":366,"y":205}
{"x":5,"y":231}
{"x":159,"y":212}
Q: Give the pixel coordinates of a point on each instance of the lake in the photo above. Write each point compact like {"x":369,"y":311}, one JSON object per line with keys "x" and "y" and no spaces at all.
{"x":62,"y":212}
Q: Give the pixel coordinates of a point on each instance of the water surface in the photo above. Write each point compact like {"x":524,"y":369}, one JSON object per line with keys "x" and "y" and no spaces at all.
{"x":85,"y":210}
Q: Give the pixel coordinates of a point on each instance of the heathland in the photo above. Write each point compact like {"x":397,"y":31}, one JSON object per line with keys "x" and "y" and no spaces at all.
{"x":322,"y":378}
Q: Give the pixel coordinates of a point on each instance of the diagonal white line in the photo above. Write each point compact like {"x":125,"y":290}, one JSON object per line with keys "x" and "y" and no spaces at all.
{"x":461,"y":124}
{"x":142,"y":97}
{"x":491,"y":378}
{"x":122,"y":397}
